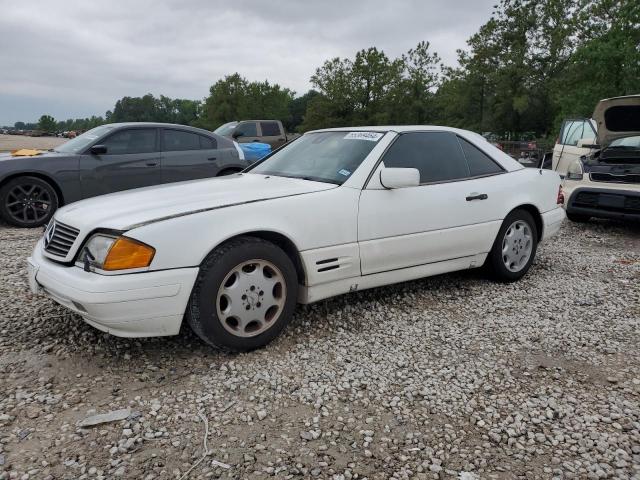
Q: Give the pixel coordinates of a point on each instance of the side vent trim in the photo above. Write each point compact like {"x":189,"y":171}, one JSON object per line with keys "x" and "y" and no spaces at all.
{"x":326,"y":260}
{"x":330,"y":267}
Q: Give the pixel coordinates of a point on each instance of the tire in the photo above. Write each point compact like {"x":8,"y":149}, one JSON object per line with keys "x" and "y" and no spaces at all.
{"x":27,"y":202}
{"x":517,"y":239}
{"x":232,"y":310}
{"x":576,"y":217}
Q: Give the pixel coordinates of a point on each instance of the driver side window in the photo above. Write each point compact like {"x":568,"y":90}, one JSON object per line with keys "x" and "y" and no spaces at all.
{"x":135,"y":140}
{"x":576,"y":130}
{"x":437,"y":156}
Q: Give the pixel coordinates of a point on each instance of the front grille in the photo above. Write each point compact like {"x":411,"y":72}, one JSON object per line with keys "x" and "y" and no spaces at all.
{"x":587,"y":199}
{"x":59,"y":239}
{"x":611,"y":178}
{"x":613,"y":202}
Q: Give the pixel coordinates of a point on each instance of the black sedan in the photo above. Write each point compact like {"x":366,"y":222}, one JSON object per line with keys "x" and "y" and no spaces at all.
{"x":106,"y":159}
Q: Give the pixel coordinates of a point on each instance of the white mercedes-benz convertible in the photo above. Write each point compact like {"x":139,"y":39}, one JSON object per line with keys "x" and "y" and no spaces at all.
{"x":335,"y":211}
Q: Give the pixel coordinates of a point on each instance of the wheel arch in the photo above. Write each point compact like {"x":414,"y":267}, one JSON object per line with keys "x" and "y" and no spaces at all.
{"x":279,"y":239}
{"x":41,"y":176}
{"x":535,"y":213}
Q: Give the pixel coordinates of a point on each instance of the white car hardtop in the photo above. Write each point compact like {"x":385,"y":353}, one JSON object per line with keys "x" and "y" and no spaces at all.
{"x":336,"y":210}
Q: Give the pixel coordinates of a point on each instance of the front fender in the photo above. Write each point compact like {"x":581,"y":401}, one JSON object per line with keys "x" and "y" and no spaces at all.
{"x":311,"y":221}
{"x":62,"y":172}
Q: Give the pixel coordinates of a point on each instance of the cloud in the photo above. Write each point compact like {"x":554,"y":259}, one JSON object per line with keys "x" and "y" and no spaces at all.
{"x":76,"y":58}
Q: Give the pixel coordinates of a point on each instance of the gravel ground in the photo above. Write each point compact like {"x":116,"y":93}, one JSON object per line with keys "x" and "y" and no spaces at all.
{"x":448,"y":377}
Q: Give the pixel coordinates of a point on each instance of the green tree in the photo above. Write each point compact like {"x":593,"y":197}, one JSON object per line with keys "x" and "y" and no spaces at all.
{"x":298,"y":108}
{"x":235,"y":98}
{"x":411,"y":100}
{"x":605,"y":64}
{"x":47,"y":124}
{"x":372,"y":89}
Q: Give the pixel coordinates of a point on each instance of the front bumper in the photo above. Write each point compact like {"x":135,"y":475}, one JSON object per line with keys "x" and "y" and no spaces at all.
{"x":146,"y":304}
{"x":603,"y":202}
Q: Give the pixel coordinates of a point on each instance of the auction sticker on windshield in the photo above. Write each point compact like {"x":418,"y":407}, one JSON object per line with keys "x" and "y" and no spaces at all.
{"x":371,"y":136}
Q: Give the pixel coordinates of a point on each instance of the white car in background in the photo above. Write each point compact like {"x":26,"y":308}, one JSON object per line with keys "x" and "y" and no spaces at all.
{"x":605,"y":183}
{"x":577,"y":138}
{"x":335,"y":211}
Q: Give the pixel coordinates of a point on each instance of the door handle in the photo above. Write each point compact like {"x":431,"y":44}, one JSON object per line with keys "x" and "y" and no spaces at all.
{"x":151,"y":163}
{"x":477,"y":196}
{"x":211,"y":159}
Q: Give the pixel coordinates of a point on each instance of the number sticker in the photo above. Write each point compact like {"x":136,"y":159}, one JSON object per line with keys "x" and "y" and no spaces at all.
{"x":371,"y":136}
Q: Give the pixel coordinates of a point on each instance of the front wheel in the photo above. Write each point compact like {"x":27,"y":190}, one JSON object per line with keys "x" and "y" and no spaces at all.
{"x":514,"y":248}
{"x":244,"y":296}
{"x":27,"y":202}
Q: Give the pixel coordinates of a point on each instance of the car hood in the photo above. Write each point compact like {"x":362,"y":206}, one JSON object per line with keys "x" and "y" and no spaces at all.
{"x":134,"y":208}
{"x":8,"y":157}
{"x":617,"y":118}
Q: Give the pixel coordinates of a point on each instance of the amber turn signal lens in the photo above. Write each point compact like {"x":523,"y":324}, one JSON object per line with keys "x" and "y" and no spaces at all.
{"x":126,"y":253}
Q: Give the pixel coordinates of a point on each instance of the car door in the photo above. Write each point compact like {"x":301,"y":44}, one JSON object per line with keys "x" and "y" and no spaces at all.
{"x":570,"y":147}
{"x":451,"y":214}
{"x":188,"y":155}
{"x":271,"y":133}
{"x":131,"y":160}
{"x":246,"y":132}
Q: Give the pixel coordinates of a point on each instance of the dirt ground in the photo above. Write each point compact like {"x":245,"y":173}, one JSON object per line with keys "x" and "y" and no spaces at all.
{"x":14,"y":142}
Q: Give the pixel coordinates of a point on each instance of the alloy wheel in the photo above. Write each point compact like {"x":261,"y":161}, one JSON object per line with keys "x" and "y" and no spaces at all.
{"x":517,"y":246}
{"x":251,"y":298}
{"x":28,"y":202}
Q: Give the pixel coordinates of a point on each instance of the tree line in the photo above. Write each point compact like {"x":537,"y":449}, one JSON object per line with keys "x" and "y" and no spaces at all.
{"x":533,"y":63}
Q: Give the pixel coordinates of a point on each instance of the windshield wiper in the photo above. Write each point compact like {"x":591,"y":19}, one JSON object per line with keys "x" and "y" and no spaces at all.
{"x":303,"y":177}
{"x":319,"y":179}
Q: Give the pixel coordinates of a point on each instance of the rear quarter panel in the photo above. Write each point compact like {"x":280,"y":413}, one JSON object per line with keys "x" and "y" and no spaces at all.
{"x":531,"y":186}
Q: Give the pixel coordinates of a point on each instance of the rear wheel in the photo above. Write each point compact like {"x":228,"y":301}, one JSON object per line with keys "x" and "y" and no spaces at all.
{"x":27,"y":201}
{"x":515,"y":247}
{"x":576,"y":217}
{"x":244,"y":296}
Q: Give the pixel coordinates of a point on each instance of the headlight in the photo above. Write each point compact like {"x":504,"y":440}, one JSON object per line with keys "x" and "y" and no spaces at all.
{"x":574,"y":172}
{"x":116,"y":253}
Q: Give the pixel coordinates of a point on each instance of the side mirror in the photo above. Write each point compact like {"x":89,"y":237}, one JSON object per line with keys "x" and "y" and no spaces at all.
{"x":399,"y":177}
{"x":237,"y":134}
{"x":98,"y":149}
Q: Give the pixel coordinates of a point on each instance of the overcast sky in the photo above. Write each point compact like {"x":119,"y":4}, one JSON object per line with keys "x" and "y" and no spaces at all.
{"x":76,"y":58}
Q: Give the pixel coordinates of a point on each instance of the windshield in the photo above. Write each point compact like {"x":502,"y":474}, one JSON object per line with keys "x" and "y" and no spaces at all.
{"x":81,"y":142}
{"x":322,"y":157}
{"x":626,"y":142}
{"x":226,"y":129}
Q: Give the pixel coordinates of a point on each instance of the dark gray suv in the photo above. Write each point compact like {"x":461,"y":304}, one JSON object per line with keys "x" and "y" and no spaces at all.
{"x":106,"y":159}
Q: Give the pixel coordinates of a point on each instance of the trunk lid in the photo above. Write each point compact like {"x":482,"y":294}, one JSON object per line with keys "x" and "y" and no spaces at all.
{"x":617,"y":117}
